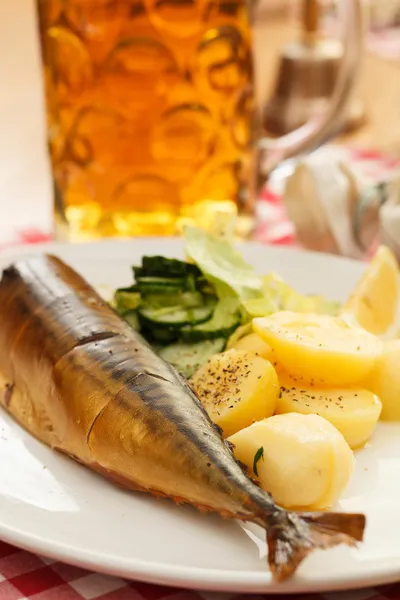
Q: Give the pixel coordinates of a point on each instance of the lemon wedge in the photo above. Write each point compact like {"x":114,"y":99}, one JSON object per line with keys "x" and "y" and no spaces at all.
{"x":320,"y":349}
{"x":375,"y":302}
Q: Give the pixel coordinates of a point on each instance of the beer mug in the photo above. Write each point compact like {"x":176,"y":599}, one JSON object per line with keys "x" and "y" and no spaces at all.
{"x":151,"y":115}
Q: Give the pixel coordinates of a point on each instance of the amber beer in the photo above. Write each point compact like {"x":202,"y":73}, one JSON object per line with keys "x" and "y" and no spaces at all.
{"x":149,"y":110}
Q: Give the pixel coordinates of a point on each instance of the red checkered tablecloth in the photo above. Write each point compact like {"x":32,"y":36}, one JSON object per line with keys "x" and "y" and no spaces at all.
{"x":25,"y":576}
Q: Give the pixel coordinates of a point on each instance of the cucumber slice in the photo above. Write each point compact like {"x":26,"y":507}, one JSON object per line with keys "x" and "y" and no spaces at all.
{"x":193,"y":299}
{"x":166,"y":285}
{"x":126,"y":299}
{"x":132,"y":319}
{"x":160,"y":266}
{"x":204,"y":286}
{"x":174,"y":316}
{"x":161,"y":301}
{"x":183,"y":299}
{"x":225,"y":319}
{"x":160,"y":336}
{"x":188,"y":358}
{"x":159,"y":285}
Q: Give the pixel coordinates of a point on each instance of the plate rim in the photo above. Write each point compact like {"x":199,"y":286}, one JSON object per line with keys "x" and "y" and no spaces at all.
{"x":197,"y":578}
{"x":194,"y":578}
{"x":24,"y":249}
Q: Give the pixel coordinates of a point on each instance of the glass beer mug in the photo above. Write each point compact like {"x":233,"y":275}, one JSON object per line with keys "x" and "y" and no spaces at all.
{"x":151,"y":116}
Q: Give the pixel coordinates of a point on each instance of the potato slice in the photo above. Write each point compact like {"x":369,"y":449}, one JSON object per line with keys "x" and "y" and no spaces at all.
{"x":302,"y":460}
{"x":237,"y":388}
{"x":253,"y":343}
{"x":353,"y":411}
{"x":320,"y":349}
{"x":385,"y":381}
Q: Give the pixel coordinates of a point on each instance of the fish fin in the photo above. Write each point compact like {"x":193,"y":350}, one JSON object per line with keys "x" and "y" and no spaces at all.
{"x":349,"y":525}
{"x":289,"y":543}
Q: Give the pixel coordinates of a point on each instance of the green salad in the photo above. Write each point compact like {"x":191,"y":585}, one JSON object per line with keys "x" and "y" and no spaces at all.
{"x":188,"y":310}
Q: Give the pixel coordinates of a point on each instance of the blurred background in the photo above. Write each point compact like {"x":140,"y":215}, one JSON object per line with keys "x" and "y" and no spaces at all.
{"x":278,"y":23}
{"x":371,"y":125}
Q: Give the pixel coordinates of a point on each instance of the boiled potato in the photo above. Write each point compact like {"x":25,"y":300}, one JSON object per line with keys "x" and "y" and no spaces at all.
{"x":253,"y":343}
{"x":385,"y":381}
{"x":302,"y":460}
{"x":353,"y":411}
{"x":320,"y":349}
{"x":237,"y":388}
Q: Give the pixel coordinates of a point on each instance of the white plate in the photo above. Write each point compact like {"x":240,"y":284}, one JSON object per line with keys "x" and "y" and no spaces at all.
{"x":52,"y":506}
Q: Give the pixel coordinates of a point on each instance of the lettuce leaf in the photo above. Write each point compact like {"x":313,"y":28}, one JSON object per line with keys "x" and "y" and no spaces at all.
{"x":278,"y":295}
{"x":222,"y":265}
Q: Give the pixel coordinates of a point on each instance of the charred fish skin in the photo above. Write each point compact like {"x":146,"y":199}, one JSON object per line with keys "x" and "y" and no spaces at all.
{"x":83,"y":382}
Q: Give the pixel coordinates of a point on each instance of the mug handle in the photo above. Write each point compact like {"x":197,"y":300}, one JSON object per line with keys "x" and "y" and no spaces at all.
{"x":272,"y":151}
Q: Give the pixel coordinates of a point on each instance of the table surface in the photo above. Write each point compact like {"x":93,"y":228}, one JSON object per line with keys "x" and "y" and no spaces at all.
{"x":25,"y":202}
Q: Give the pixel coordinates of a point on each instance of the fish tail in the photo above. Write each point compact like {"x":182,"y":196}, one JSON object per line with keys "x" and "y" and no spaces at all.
{"x":295,"y":535}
